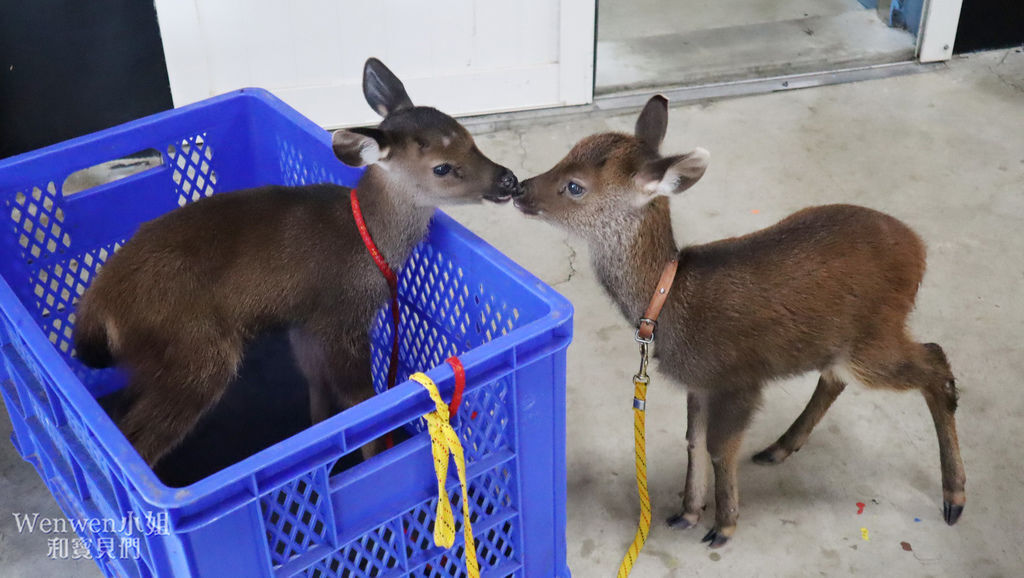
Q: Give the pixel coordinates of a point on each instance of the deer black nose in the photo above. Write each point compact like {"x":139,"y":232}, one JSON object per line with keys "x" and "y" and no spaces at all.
{"x":509,"y":184}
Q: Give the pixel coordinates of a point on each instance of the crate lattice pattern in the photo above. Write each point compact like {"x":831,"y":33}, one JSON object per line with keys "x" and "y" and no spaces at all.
{"x":484,"y":420}
{"x":405,"y":546}
{"x":193,"y":175}
{"x":57,"y":280}
{"x":38,"y":222}
{"x":297,"y":516}
{"x":491,"y":494}
{"x":59,"y":285}
{"x":297,"y":170}
{"x":496,"y":546}
{"x":373,"y":554}
{"x":441,"y":316}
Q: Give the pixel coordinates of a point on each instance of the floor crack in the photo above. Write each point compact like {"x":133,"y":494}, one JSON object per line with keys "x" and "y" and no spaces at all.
{"x":522,"y":147}
{"x":1003,"y":79}
{"x":572,"y":263}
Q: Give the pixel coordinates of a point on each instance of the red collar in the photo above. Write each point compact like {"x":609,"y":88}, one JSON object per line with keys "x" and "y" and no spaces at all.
{"x":389,"y":275}
{"x":378,"y":259}
{"x":392,"y":279}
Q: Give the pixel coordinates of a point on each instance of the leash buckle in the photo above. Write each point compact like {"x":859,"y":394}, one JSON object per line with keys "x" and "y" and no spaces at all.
{"x":636,"y":334}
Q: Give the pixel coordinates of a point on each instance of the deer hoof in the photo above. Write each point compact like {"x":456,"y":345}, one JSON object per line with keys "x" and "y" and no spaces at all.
{"x":715,"y":539}
{"x":770,"y":456}
{"x":951,"y":512}
{"x":683,"y":521}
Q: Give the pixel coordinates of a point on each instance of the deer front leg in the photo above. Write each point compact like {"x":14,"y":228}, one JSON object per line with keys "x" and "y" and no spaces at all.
{"x":698,"y":460}
{"x":728,"y":416}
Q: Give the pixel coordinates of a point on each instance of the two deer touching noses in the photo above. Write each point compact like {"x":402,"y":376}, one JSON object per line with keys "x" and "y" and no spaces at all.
{"x":827,"y":289}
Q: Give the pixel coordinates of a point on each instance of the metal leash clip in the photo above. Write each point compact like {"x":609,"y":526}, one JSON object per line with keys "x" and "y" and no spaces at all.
{"x":641,"y":376}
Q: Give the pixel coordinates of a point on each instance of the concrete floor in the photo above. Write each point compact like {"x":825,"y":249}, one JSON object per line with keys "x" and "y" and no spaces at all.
{"x":653,"y":43}
{"x":943,"y":151}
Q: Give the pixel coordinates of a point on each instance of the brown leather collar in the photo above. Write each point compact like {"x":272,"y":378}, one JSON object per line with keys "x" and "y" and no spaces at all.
{"x":645,"y":329}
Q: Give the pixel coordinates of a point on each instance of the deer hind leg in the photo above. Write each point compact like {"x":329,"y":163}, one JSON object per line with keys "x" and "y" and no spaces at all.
{"x":337,"y":368}
{"x":311,"y":359}
{"x":729,"y":414}
{"x":698,"y":462}
{"x":923,"y":366}
{"x":829,"y":388}
{"x":352,"y":381}
{"x":168,"y":398}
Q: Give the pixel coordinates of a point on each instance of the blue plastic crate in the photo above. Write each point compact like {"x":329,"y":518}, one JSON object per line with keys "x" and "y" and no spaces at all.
{"x":279,"y":512}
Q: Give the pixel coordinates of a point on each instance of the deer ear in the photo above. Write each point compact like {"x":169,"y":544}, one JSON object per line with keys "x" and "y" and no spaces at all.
{"x":359,"y":147}
{"x":653,"y":122}
{"x":382,"y":89}
{"x":672,"y":174}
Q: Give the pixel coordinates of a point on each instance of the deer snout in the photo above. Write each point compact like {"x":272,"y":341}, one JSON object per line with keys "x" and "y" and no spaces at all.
{"x":506,"y":187}
{"x":524,"y":202}
{"x":508,"y":183}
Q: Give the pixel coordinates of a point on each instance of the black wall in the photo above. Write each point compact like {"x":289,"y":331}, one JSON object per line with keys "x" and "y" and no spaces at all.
{"x":986,"y":24}
{"x":71,"y":67}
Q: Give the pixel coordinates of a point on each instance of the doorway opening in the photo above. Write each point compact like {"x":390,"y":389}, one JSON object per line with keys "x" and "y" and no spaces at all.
{"x":651,"y":44}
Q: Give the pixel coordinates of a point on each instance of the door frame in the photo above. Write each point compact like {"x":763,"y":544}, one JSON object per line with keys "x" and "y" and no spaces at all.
{"x":577,"y":51}
{"x":939,"y":21}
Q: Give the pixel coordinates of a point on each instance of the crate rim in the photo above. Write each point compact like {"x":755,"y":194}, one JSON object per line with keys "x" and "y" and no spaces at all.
{"x":408,"y":395}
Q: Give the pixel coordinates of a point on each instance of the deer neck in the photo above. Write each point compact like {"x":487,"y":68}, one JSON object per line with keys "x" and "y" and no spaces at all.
{"x":396,"y":223}
{"x":629,"y":256}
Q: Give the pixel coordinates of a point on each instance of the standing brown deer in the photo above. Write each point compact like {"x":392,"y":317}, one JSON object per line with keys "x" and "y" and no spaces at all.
{"x":826,"y":289}
{"x":177,"y":304}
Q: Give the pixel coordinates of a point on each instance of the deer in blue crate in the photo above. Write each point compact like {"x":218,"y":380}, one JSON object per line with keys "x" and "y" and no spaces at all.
{"x":827,"y":289}
{"x":177,"y":304}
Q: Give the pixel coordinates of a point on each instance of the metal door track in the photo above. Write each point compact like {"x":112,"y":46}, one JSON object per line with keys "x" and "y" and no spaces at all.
{"x":635,"y":99}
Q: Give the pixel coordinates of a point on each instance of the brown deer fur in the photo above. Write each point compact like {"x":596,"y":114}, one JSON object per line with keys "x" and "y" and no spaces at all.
{"x":177,"y":304}
{"x":827,"y":289}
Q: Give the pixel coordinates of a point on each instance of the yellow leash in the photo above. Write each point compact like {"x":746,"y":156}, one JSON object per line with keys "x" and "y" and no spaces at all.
{"x":645,"y":337}
{"x":640,"y":381}
{"x":444,"y":440}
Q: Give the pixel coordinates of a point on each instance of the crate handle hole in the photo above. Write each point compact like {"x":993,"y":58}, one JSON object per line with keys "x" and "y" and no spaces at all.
{"x":110,"y":171}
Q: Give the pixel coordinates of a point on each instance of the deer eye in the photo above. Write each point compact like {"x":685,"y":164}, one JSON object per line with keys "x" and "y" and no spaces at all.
{"x":442,"y":169}
{"x":575,"y":189}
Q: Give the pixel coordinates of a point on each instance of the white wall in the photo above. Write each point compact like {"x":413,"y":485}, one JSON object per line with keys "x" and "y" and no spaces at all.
{"x":463,"y":56}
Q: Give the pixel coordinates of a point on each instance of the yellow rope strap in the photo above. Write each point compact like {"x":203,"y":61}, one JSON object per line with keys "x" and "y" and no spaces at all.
{"x":444,"y":440}
{"x":640,"y":382}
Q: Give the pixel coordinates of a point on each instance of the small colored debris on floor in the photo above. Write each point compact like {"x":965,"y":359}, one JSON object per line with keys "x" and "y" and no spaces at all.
{"x":906,"y":547}
{"x":864,"y":534}
{"x":860,"y":508}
